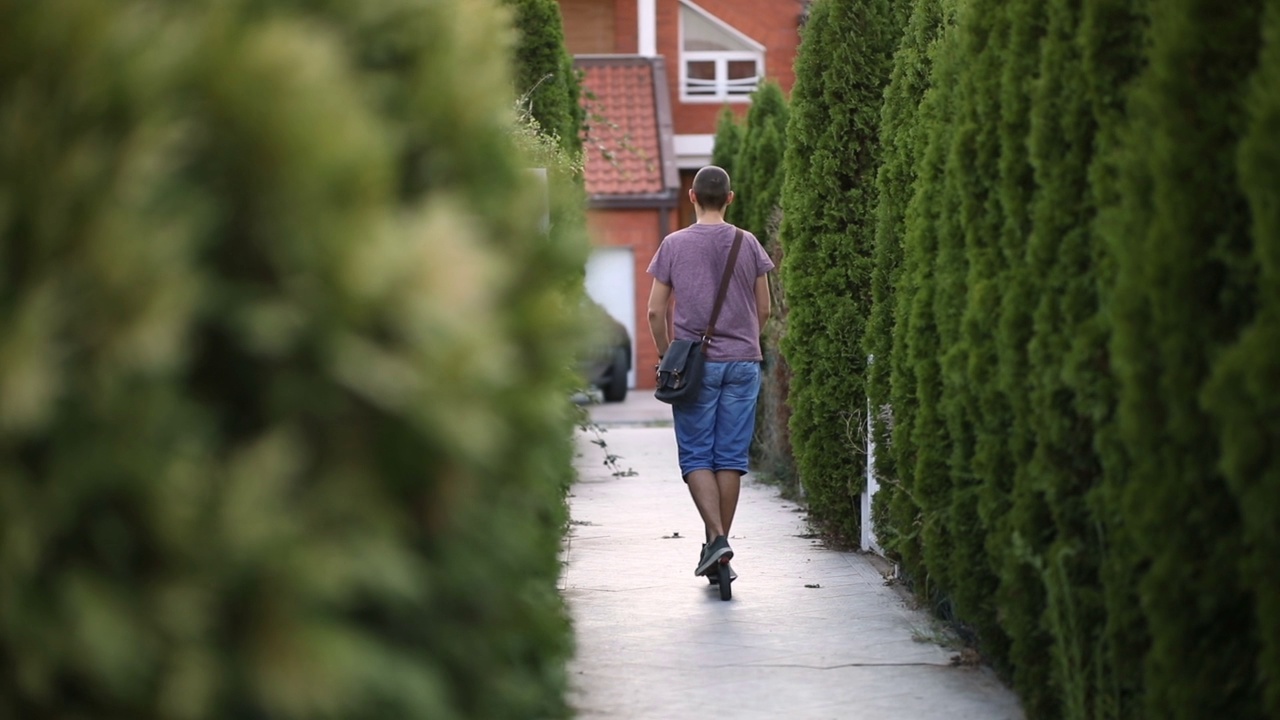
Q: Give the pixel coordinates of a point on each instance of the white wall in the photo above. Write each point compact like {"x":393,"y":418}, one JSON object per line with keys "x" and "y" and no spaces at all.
{"x":611,"y":281}
{"x":647,"y":27}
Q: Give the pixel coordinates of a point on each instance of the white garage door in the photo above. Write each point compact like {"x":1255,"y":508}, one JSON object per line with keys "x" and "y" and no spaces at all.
{"x":611,"y":281}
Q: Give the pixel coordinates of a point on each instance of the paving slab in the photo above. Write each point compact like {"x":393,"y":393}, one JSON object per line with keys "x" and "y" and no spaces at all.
{"x":810,"y":633}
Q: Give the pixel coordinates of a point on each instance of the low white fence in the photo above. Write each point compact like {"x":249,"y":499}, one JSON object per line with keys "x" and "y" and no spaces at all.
{"x":869,"y":543}
{"x":872,"y":486}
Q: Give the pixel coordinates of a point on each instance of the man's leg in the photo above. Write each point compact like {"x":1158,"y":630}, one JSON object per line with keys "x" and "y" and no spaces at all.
{"x":728,"y":485}
{"x":705,"y":488}
{"x":723,"y":432}
{"x":695,"y":436}
{"x":716,"y":496}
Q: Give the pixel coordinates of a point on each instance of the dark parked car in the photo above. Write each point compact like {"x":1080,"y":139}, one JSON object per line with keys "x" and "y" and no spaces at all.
{"x":607,"y":357}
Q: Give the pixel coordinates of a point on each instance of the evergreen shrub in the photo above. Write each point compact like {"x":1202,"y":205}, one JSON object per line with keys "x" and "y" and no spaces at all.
{"x":827,"y":237}
{"x":1243,"y":393}
{"x":971,"y":270}
{"x":283,"y":430}
{"x":891,"y":382}
{"x":1077,"y":238}
{"x":926,"y":447}
{"x":551,"y":114}
{"x":1066,"y":374}
{"x":545,"y":80}
{"x":724,"y":152}
{"x":1112,"y":55}
{"x":1021,"y":526}
{"x":758,"y":179}
{"x":1186,"y":288}
{"x":758,"y":199}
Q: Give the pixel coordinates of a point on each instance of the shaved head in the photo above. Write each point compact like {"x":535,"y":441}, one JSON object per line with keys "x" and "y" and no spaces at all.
{"x":711,"y":187}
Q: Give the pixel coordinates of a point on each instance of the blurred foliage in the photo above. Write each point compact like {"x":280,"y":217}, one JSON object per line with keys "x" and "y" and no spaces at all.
{"x":549,"y":121}
{"x":283,"y":429}
{"x":1185,"y":289}
{"x":1243,"y":392}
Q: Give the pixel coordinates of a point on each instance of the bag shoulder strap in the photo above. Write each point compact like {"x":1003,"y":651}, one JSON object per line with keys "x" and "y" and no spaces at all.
{"x":724,"y":283}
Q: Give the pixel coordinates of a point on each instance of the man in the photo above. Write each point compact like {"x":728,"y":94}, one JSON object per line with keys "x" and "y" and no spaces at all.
{"x":713,"y":432}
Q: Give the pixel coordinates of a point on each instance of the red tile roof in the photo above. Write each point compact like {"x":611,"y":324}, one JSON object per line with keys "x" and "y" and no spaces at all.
{"x":628,"y":135}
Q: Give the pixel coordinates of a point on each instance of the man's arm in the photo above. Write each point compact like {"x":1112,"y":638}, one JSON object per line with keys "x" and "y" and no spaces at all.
{"x":659,"y":298}
{"x":763,"y":300}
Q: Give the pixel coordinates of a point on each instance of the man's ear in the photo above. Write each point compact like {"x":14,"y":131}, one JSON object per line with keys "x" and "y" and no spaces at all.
{"x":692,"y":197}
{"x":729,"y":200}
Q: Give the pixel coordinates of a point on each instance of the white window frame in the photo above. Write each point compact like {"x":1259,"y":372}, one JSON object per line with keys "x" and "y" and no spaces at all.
{"x":725,"y":90}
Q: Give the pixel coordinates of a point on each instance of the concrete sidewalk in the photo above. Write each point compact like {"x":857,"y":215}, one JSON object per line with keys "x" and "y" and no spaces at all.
{"x":809,"y":633}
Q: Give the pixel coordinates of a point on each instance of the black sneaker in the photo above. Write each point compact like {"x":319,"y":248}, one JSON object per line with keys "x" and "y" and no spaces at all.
{"x":714,"y":577}
{"x":719,"y":548}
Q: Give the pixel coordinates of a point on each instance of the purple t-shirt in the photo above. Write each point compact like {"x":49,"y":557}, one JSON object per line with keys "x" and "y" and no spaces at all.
{"x":692,"y":261}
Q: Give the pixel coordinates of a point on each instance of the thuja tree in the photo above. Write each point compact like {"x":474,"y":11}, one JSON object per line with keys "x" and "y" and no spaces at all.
{"x":977,"y":417}
{"x":950,"y":447}
{"x":1022,"y":526}
{"x":1112,"y":54}
{"x":724,"y":151}
{"x":758,"y":198}
{"x":890,"y":380}
{"x":928,"y":216}
{"x":1244,"y":395}
{"x":1184,"y":291}
{"x":283,"y":431}
{"x":827,"y":238}
{"x":545,"y":79}
{"x":1068,"y":361}
{"x":758,"y":180}
{"x":549,"y":93}
{"x":1125,"y":502}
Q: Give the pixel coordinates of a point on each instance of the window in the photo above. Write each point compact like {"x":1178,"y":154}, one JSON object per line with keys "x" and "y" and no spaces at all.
{"x":717,"y":63}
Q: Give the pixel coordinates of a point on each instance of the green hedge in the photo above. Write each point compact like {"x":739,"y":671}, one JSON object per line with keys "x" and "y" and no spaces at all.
{"x":974,"y":409}
{"x":827,"y":235}
{"x":891,"y":382}
{"x":1185,"y":289}
{"x":758,"y":179}
{"x":1023,"y":524}
{"x":545,"y":79}
{"x":928,"y":218}
{"x":1074,"y":296}
{"x":724,"y":152}
{"x":901,"y":145}
{"x":550,"y":107}
{"x":1063,"y":371}
{"x":1112,"y":55}
{"x":758,"y":200}
{"x":284,"y":430}
{"x":1242,"y":395}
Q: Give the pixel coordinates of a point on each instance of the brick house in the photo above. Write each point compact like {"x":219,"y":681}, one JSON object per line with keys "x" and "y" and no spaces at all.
{"x":655,"y":75}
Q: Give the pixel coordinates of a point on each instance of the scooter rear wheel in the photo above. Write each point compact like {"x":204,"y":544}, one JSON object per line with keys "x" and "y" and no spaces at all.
{"x":726,"y":587}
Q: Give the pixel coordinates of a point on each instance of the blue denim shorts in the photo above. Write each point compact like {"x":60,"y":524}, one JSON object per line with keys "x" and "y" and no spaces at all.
{"x":714,"y":432}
